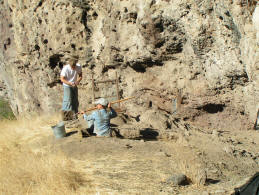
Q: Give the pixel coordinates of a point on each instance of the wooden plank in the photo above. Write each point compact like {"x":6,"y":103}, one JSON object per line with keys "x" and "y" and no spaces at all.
{"x":114,"y":102}
{"x":106,"y":81}
{"x":179,"y":100}
{"x":117,"y":88}
{"x":93,"y":95}
{"x":106,"y":97}
{"x":256,"y":126}
{"x":119,"y":110}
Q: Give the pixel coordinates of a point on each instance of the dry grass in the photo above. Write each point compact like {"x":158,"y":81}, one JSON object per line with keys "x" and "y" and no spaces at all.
{"x":191,"y":164}
{"x":195,"y":171}
{"x":24,"y":171}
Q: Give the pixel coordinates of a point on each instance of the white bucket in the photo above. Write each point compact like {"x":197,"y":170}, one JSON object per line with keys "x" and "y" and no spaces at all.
{"x":59,"y":130}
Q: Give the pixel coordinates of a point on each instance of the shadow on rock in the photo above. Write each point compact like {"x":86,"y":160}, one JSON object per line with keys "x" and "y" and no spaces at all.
{"x":211,"y":181}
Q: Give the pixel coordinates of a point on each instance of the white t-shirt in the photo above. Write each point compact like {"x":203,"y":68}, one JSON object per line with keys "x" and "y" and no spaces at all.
{"x":70,"y":74}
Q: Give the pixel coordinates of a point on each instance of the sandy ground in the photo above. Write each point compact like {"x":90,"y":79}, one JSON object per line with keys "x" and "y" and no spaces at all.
{"x":215,"y":162}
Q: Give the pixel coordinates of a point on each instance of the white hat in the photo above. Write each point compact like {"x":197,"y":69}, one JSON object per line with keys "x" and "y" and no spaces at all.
{"x":101,"y":101}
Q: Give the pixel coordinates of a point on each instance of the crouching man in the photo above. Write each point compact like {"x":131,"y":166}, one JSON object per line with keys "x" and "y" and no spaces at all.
{"x":101,"y":118}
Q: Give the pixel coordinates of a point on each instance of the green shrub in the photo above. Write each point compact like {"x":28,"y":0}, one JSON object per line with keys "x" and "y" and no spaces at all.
{"x":5,"y":110}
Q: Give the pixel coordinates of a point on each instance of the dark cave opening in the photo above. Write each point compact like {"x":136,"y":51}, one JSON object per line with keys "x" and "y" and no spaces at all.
{"x":150,"y":104}
{"x":212,"y":108}
{"x":55,"y":60}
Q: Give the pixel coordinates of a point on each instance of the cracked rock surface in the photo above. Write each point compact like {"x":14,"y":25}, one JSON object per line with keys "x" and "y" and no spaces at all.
{"x":207,"y":51}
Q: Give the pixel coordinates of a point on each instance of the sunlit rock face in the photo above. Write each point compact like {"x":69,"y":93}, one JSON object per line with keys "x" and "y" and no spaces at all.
{"x":208,"y":51}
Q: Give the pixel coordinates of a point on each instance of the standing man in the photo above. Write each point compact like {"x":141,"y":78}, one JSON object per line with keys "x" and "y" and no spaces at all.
{"x":70,"y":76}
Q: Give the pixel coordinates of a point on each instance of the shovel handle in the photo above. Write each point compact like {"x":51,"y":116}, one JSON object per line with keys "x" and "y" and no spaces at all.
{"x":114,"y":102}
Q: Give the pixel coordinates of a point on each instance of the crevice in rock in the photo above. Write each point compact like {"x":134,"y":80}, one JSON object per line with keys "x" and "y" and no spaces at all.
{"x":238,"y":80}
{"x":95,"y":15}
{"x":133,"y":15}
{"x":37,"y":47}
{"x":6,"y":43}
{"x":159,"y":43}
{"x":68,"y":29}
{"x":202,"y":44}
{"x":150,"y":104}
{"x":137,"y":118}
{"x":82,"y":4}
{"x":141,"y":66}
{"x":159,"y":25}
{"x":60,"y":65}
{"x":153,"y":2}
{"x":168,"y":125}
{"x":107,"y":67}
{"x":54,"y":83}
{"x":40,"y":4}
{"x":84,"y":22}
{"x":73,"y":46}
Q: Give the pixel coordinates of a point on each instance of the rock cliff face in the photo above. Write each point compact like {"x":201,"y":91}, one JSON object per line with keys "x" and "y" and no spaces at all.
{"x":206,"y":50}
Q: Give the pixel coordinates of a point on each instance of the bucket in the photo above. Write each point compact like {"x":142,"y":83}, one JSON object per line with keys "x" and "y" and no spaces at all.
{"x":59,"y":130}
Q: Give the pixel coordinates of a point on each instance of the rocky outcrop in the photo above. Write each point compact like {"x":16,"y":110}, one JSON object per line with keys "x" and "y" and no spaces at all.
{"x":207,"y":51}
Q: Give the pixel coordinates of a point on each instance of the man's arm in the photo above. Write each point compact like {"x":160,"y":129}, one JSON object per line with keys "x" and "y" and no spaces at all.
{"x":79,"y":78}
{"x":112,"y":112}
{"x":89,"y":117}
{"x":63,"y":80}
